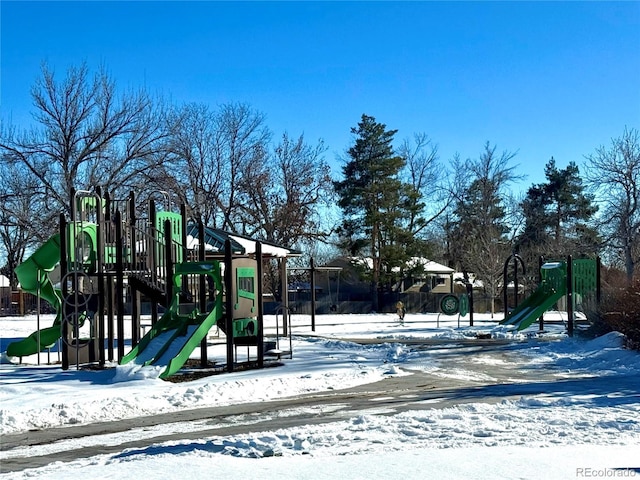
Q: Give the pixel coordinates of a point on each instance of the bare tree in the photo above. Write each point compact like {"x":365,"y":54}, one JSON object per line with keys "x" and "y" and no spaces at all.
{"x":19,"y":202}
{"x":86,"y":136}
{"x":214,"y":156}
{"x":478,"y":234}
{"x":427,"y":177}
{"x":243,"y":139}
{"x":196,"y":171}
{"x":284,"y":196}
{"x":614,"y":172}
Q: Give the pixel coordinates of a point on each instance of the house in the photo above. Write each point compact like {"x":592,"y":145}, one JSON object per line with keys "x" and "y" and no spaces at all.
{"x":5,"y":294}
{"x":426,"y":276}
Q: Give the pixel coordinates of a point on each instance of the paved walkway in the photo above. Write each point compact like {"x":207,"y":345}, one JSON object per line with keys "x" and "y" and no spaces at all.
{"x":506,"y":375}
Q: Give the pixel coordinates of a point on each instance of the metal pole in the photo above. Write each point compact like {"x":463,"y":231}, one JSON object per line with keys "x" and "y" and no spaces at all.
{"x":260,"y":316}
{"x":151,"y":240}
{"x":64,"y":269}
{"x":515,"y":280}
{"x":38,"y":272}
{"x":168,"y":264}
{"x":98,"y":317}
{"x":505,"y":294}
{"x":228,"y":296}
{"x":313,"y":295}
{"x":540,"y":263}
{"x":203,"y":292}
{"x":570,"y":296}
{"x":132,"y":264}
{"x":110,"y":329}
{"x":284,"y":281}
{"x":119,"y":291}
{"x":183,"y":236}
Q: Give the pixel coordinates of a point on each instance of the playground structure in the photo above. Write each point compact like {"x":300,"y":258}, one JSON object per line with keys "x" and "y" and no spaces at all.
{"x":575,"y":279}
{"x":106,"y":259}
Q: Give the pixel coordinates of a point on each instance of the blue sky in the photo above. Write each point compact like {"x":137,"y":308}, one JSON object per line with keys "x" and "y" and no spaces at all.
{"x":541,"y":78}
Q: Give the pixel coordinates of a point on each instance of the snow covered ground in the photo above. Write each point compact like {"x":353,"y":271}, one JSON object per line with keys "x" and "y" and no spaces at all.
{"x":585,"y":431}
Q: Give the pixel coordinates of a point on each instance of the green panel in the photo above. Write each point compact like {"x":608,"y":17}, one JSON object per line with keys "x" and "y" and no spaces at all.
{"x":86,"y":204}
{"x":584,"y":271}
{"x":176,"y":229}
{"x":554,"y":276}
{"x":245,"y":327}
{"x":245,"y":290}
{"x":246,"y":284}
{"x":81,"y":246}
{"x":464,"y":304}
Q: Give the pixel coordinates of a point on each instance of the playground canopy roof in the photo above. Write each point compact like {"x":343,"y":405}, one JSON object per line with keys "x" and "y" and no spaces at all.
{"x":215,"y":240}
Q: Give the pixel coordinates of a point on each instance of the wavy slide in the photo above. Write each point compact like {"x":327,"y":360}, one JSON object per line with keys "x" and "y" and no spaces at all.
{"x":172,"y":339}
{"x":33,"y":275}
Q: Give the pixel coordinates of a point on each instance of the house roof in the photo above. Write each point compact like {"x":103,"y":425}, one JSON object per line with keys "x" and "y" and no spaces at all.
{"x":459,"y":277}
{"x":429,"y":266}
{"x":432,"y":267}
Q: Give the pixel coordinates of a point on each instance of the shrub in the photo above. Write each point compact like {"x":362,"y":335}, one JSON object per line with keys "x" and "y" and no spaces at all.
{"x":620,"y":311}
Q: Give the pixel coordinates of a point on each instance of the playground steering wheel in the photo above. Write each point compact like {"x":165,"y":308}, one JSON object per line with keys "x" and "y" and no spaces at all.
{"x":449,"y":304}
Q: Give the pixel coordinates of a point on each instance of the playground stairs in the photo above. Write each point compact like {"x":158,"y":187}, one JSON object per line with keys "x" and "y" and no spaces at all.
{"x":155,"y":290}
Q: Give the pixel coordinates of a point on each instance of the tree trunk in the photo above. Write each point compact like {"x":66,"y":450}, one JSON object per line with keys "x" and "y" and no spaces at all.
{"x":629,"y":264}
{"x":375,"y":274}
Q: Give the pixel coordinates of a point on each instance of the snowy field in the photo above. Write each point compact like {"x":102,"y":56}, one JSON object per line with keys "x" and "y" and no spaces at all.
{"x":579,"y":433}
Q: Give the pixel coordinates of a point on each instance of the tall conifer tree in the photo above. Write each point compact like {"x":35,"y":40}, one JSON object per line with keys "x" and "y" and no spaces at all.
{"x":374,"y":201}
{"x":558,"y":215}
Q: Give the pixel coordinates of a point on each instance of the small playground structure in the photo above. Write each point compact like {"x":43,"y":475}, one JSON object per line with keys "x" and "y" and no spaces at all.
{"x":108,"y":257}
{"x":574,"y":280}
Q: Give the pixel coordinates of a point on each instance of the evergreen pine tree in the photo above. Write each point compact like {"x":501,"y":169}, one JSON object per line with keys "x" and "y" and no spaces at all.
{"x":374,"y":202}
{"x":557,"y":215}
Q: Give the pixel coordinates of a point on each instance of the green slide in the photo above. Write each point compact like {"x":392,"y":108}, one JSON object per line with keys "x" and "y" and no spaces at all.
{"x":552,"y":288}
{"x":31,"y":273}
{"x":530,"y":310}
{"x":172,"y":340}
{"x":175,"y":336}
{"x":34,"y":273}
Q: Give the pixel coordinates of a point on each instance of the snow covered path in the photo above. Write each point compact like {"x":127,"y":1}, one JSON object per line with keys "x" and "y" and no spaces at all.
{"x":417,"y":401}
{"x":469,"y":376}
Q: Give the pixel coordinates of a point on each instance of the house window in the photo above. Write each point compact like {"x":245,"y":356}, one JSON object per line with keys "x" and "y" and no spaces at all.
{"x":436,"y":281}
